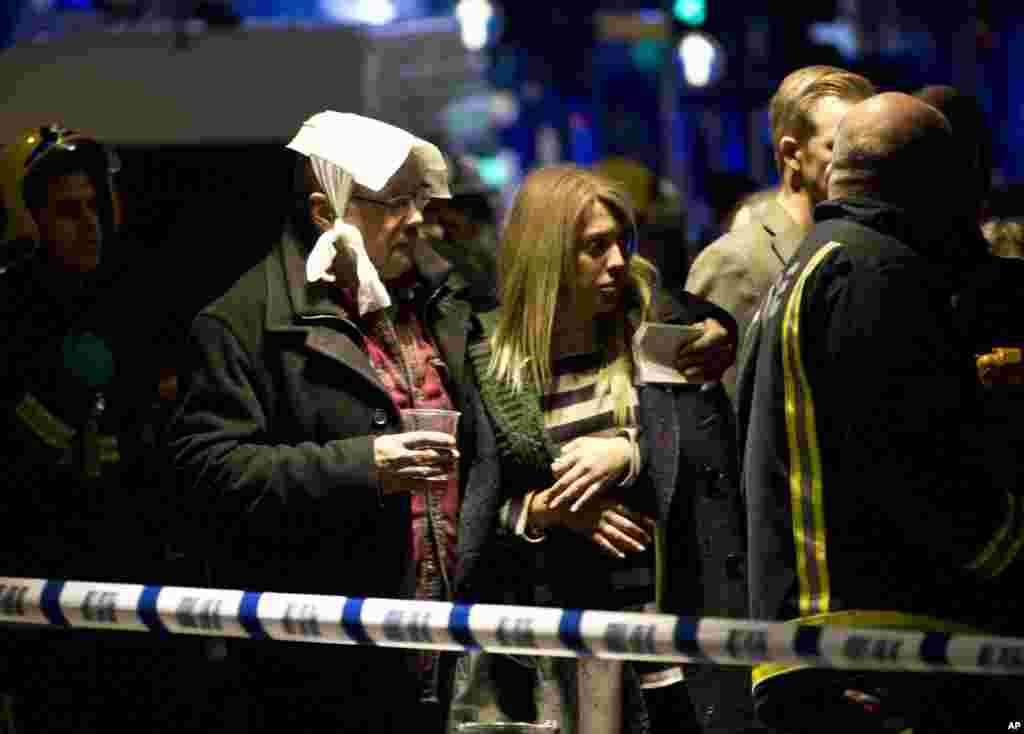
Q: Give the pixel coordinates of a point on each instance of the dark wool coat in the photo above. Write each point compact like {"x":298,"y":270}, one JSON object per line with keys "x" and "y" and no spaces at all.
{"x":273,"y":442}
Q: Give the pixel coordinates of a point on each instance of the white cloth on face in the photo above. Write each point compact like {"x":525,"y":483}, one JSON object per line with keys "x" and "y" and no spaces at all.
{"x":337,"y":184}
{"x":346,"y":149}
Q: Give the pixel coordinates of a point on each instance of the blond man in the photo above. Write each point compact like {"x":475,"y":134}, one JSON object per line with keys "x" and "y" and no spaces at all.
{"x":735,"y":271}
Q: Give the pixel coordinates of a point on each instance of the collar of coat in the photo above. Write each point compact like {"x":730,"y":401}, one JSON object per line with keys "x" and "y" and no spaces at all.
{"x":775,"y":220}
{"x":297,"y":307}
{"x":947,"y":240}
{"x":310,"y":301}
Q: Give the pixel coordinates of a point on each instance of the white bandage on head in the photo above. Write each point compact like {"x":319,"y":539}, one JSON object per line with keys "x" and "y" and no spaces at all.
{"x":345,"y":149}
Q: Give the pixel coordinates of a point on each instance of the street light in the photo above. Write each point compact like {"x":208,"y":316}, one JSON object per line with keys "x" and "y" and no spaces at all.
{"x":373,"y":12}
{"x":702,"y":59}
{"x":474,"y":19}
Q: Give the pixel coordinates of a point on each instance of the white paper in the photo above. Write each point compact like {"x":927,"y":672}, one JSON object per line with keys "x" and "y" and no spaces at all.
{"x":656,"y":351}
{"x":369,"y":150}
{"x":346,"y":149}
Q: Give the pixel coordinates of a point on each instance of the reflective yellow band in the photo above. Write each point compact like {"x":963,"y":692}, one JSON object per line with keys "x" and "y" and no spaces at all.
{"x":48,"y":427}
{"x":1005,"y":545}
{"x":57,"y":434}
{"x":881,"y":619}
{"x":109,"y":453}
{"x":806,"y":487}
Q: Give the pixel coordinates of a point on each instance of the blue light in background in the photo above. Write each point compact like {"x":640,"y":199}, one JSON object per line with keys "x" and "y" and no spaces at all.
{"x":582,"y":146}
{"x":495,"y":171}
{"x":648,"y":53}
{"x":691,"y":12}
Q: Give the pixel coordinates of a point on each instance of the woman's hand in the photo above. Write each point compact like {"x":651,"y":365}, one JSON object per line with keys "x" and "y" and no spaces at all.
{"x":413,"y":461}
{"x":586,"y":468}
{"x":708,"y":357}
{"x":615,"y":529}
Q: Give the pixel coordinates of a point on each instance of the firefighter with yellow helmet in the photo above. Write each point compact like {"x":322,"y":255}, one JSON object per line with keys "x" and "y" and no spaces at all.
{"x":61,"y":502}
{"x":37,"y":161}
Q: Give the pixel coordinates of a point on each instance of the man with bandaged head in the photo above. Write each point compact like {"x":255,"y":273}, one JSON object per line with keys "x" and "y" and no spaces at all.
{"x":290,"y":435}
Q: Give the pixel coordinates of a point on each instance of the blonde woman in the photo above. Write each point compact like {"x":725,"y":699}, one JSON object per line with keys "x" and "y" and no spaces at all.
{"x":589,"y":470}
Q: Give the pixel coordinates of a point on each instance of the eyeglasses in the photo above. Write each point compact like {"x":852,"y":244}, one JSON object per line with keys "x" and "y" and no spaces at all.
{"x":399,"y":203}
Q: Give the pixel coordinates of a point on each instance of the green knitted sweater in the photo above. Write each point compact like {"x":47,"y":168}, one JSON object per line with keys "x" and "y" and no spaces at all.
{"x":522,"y":441}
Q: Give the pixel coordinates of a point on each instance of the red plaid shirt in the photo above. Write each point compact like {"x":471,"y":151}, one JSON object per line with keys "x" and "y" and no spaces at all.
{"x":409,"y":365}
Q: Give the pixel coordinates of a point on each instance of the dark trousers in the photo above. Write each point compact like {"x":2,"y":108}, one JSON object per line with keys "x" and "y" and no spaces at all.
{"x":297,"y":687}
{"x":90,"y":682}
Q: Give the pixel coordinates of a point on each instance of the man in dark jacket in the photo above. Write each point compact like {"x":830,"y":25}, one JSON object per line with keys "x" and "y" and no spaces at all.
{"x":989,"y":308}
{"x":69,"y":494}
{"x":862,"y":508}
{"x":290,"y":431}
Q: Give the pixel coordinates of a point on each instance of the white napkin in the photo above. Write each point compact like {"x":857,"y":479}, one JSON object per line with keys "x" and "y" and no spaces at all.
{"x":371,"y":294}
{"x":346,"y":149}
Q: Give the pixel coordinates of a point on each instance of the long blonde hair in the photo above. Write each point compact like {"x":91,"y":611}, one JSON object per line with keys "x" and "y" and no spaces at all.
{"x":537,"y":268}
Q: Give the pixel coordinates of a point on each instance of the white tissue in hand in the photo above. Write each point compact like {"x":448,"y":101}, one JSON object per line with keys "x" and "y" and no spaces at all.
{"x":372,"y":295}
{"x":318,"y":265}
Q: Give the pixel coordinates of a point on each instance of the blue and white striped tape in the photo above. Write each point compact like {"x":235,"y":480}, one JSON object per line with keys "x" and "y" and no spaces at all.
{"x":525,"y":630}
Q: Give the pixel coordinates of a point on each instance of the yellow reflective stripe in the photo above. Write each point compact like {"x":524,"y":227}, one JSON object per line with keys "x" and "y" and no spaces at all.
{"x":48,"y":427}
{"x":881,"y":619}
{"x":109,"y":453}
{"x":989,"y":555}
{"x":1011,"y":554}
{"x":805,"y":475}
{"x":57,"y":434}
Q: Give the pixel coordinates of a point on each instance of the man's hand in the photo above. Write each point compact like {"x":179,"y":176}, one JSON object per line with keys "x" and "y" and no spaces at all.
{"x":1001,"y":366}
{"x":413,"y":461}
{"x":708,"y":357}
{"x":615,"y":529}
{"x":343,"y":268}
{"x":586,"y":468}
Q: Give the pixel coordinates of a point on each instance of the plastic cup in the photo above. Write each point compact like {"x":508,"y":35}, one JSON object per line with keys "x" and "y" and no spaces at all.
{"x":430,"y":419}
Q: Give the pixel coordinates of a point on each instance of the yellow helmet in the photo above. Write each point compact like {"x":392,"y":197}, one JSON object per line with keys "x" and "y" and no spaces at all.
{"x":35,"y":156}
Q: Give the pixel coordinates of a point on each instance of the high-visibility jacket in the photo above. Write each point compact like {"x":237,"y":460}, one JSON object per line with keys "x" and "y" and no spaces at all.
{"x":865,"y":506}
{"x":60,"y":408}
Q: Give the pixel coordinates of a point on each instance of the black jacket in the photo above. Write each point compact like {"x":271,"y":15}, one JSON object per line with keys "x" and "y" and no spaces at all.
{"x":67,"y":408}
{"x":853,"y":397}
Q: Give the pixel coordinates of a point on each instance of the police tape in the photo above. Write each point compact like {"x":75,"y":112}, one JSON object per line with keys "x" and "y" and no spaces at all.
{"x":511,"y":629}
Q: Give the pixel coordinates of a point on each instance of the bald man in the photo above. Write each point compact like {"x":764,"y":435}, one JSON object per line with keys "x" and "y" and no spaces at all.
{"x":862,"y":510}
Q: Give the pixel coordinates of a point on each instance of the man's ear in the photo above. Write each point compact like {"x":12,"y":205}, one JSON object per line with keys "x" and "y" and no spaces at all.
{"x":789,"y":151}
{"x":321,"y":211}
